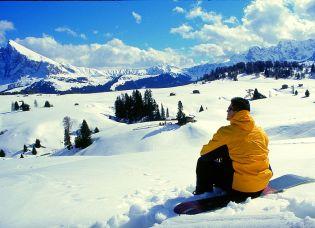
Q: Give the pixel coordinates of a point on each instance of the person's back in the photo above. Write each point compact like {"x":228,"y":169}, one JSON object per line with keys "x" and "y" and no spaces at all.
{"x":246,"y":145}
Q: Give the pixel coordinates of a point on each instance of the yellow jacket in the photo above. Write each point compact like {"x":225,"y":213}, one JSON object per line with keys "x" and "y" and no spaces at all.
{"x":248,"y":150}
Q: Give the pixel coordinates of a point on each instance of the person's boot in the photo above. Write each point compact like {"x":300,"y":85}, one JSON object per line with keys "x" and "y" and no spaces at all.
{"x":199,"y":191}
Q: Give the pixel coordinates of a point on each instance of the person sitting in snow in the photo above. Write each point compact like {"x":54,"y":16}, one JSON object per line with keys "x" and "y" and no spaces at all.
{"x":236,"y":158}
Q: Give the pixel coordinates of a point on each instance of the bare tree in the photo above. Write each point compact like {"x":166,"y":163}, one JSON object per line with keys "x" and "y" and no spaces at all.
{"x":67,"y":123}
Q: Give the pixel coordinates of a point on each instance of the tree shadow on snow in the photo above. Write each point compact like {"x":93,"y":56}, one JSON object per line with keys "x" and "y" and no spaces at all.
{"x":168,"y":127}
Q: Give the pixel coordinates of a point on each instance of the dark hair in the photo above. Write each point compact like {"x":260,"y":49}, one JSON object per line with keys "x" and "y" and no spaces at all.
{"x":239,"y":104}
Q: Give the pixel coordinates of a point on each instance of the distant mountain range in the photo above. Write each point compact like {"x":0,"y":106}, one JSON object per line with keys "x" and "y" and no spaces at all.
{"x":25,"y":71}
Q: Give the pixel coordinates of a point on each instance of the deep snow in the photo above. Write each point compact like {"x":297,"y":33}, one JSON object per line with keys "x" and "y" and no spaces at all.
{"x":139,"y":172}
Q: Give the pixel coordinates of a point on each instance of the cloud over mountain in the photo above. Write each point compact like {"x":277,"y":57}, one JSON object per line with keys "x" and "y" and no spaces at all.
{"x":114,"y":53}
{"x":4,"y":27}
{"x":264,"y":23}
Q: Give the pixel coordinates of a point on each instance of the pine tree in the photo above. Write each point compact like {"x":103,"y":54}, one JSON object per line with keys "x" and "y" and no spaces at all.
{"x":167,"y":113}
{"x":47,"y":104}
{"x":293,"y":90}
{"x":83,"y":140}
{"x":307,"y":93}
{"x":67,"y":123}
{"x":138,"y":106}
{"x":24,"y":148}
{"x":128,"y":106}
{"x":25,"y":107}
{"x":37,"y":143}
{"x":96,"y":130}
{"x":156,"y":111}
{"x":34,"y":151}
{"x":119,"y":107}
{"x":181,"y":117}
{"x":296,"y":93}
{"x":149,"y":104}
{"x":162,"y":113}
{"x":2,"y":153}
{"x":21,"y":156}
{"x":35,"y":103}
{"x":16,"y":106}
{"x":78,"y":141}
{"x":201,"y":109}
{"x":12,"y":107}
{"x":67,"y":139}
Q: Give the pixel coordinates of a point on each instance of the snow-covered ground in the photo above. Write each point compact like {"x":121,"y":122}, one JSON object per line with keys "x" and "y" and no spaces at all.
{"x":139,"y":172}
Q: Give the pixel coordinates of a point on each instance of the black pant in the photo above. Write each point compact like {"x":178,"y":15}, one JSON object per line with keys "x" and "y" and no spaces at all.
{"x":215,"y":169}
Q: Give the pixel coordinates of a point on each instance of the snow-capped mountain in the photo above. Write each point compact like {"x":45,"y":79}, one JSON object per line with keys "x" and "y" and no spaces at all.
{"x":199,"y":71}
{"x":285,"y":51}
{"x":17,"y":61}
{"x":23,"y":70}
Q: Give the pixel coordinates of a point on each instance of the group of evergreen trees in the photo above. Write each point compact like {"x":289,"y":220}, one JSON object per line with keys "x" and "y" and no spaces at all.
{"x":275,"y":69}
{"x":37,"y":144}
{"x":83,"y":138}
{"x":26,"y":107}
{"x":139,"y":108}
{"x":15,"y":106}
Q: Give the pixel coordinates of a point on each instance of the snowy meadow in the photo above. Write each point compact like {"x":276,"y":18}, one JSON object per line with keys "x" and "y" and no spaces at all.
{"x":134,"y":174}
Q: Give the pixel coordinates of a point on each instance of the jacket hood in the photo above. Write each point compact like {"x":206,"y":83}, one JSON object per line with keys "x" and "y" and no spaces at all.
{"x":243,"y":120}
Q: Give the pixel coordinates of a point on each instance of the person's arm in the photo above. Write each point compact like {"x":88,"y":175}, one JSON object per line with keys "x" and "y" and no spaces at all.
{"x":219,"y":139}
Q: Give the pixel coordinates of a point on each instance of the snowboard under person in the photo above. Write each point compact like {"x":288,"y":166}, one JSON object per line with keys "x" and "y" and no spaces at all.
{"x":236,"y":158}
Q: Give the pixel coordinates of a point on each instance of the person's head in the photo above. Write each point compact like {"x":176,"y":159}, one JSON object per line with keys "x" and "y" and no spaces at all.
{"x":237,"y":104}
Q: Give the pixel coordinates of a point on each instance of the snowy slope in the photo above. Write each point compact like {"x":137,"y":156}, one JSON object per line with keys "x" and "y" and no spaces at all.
{"x":133,"y":175}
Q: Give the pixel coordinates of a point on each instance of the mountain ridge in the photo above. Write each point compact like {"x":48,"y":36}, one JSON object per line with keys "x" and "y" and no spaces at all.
{"x":23,"y":70}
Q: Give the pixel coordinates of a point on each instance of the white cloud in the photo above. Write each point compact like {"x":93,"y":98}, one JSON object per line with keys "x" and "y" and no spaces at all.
{"x":83,"y":36}
{"x":210,"y":52}
{"x":184,"y":30}
{"x":264,"y":23}
{"x":198,"y":12}
{"x":178,"y":9}
{"x":304,"y":8}
{"x":137,"y":17}
{"x":231,"y":20}
{"x":95,"y":32}
{"x":274,"y":21}
{"x":70,"y":32}
{"x":110,"y":54}
{"x":66,"y":30}
{"x":4,"y":27}
{"x":208,"y":49}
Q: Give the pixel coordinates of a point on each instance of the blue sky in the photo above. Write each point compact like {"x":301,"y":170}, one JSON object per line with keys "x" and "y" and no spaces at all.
{"x":144,"y":33}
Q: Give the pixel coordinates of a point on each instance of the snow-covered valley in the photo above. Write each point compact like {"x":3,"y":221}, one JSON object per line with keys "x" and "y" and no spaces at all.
{"x":133,"y":175}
